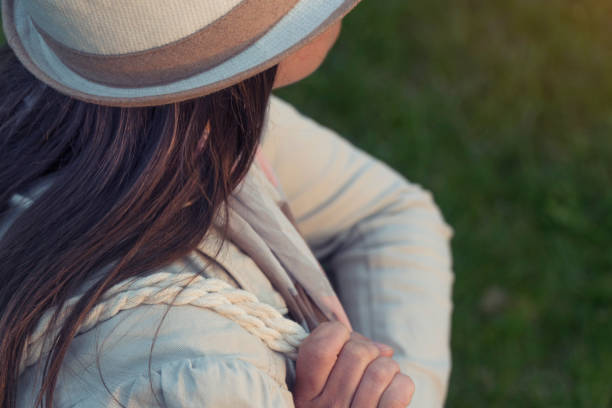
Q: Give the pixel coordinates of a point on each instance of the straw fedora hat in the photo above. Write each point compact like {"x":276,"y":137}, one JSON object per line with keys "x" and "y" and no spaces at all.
{"x":153,"y":52}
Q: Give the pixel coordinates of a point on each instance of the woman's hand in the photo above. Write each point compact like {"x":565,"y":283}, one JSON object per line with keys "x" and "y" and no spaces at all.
{"x":342,"y":369}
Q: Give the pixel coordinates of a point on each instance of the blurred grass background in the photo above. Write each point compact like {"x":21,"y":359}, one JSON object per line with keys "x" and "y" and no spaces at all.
{"x":503,"y":110}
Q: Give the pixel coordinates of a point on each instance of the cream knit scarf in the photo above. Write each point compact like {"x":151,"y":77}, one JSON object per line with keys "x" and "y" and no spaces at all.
{"x":261,"y":225}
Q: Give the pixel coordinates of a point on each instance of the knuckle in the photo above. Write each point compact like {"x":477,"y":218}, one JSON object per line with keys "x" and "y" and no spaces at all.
{"x":392,"y":365}
{"x":339,"y":329}
{"x":360,"y":351}
{"x":351,"y":350}
{"x":321,"y":330}
{"x":317,"y":350}
{"x":382,"y":370}
{"x":329,"y":332}
{"x":334,"y":328}
{"x":378,"y":375}
{"x":372,"y":350}
{"x":325,"y":342}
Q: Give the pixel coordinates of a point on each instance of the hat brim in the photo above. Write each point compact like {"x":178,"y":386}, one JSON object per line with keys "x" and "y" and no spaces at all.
{"x":307,"y":19}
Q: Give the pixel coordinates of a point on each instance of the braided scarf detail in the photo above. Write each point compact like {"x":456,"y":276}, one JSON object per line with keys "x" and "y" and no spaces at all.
{"x":261,"y":320}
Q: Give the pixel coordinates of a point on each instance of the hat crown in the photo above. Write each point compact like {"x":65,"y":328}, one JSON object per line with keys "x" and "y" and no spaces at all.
{"x":110,"y":27}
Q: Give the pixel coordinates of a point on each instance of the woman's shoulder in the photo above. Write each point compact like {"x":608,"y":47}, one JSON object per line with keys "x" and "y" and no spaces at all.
{"x":183,"y":351}
{"x":188,"y":354}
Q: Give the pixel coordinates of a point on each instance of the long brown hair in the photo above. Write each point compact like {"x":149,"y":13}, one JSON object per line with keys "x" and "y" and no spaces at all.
{"x":137,"y":188}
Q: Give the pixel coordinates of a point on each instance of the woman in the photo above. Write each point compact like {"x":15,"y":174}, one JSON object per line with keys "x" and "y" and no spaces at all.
{"x":141,"y":168}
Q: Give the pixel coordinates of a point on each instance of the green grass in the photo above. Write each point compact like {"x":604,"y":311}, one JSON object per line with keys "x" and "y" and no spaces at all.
{"x":504,"y":110}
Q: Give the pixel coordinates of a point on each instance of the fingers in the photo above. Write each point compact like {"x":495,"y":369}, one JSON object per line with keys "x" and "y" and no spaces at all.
{"x":385,"y":350}
{"x":355,"y":357}
{"x":340,"y":368}
{"x":317,"y":357}
{"x":375,"y":381}
{"x":398,"y":394}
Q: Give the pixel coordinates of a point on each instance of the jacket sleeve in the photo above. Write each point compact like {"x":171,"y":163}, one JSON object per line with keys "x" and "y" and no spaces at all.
{"x":381,"y":238}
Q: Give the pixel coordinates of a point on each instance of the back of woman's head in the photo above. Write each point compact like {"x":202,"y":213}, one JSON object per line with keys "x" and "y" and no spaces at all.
{"x":135,"y":188}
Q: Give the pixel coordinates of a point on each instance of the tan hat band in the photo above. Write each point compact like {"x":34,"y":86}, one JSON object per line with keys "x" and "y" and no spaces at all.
{"x":200,"y":51}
